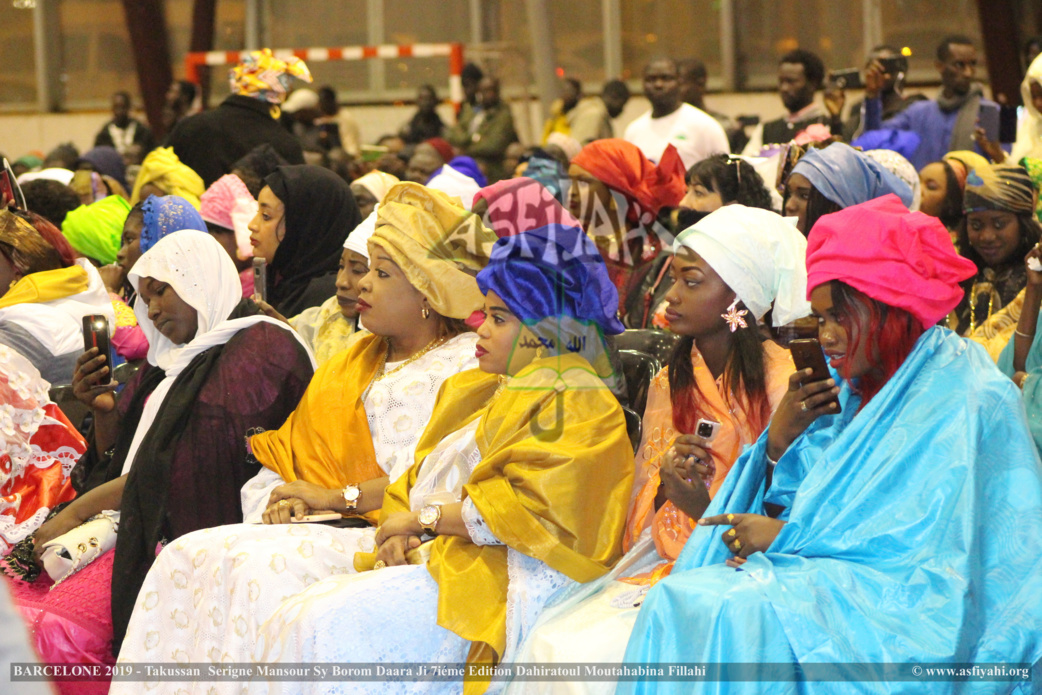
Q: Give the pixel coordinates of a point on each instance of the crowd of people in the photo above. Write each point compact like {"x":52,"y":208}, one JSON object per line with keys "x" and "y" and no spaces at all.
{"x":379,"y":405}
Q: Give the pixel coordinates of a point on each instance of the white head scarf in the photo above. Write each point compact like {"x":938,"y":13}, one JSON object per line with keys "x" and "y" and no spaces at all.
{"x":377,"y":183}
{"x":902,"y":169}
{"x":358,"y":240}
{"x":1029,"y":130}
{"x":202,"y":274}
{"x":455,"y":183}
{"x":758,"y":254}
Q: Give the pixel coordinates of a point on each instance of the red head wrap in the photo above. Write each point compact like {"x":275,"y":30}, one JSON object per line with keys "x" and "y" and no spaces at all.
{"x":623,"y":168}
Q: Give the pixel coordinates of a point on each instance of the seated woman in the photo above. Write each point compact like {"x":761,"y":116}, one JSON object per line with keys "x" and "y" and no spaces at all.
{"x":168,"y":455}
{"x":93,"y":230}
{"x":711,"y":183}
{"x":145,"y":224}
{"x":521,"y":480}
{"x":835,"y":177}
{"x":333,"y":326}
{"x":227,"y":208}
{"x":355,"y":429}
{"x":1021,"y":359}
{"x":39,"y":448}
{"x":304,"y":214}
{"x":162,"y":173}
{"x":618,"y":196}
{"x":729,"y":270}
{"x":370,"y":189}
{"x":46,"y":292}
{"x":997,"y":232}
{"x":943,"y":185}
{"x":899,"y":525}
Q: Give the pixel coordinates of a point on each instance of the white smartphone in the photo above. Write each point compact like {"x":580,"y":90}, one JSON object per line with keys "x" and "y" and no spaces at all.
{"x":707,"y":429}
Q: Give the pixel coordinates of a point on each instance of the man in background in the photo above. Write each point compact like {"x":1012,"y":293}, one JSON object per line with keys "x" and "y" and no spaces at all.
{"x":124,"y":130}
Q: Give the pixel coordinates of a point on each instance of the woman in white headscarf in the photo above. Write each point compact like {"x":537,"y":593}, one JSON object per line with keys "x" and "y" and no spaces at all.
{"x":1029,"y":130}
{"x":332,"y":327}
{"x":168,"y":456}
{"x":369,"y":190}
{"x":729,"y":269}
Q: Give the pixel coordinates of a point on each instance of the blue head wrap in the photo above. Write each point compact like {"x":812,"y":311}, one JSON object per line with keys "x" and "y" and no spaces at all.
{"x":549,"y":272}
{"x":847,"y":177}
{"x":550,"y":174}
{"x":165,"y":215}
{"x":468,"y":167}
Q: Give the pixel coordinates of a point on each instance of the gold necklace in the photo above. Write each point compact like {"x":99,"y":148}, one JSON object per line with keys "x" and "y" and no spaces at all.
{"x":381,"y":373}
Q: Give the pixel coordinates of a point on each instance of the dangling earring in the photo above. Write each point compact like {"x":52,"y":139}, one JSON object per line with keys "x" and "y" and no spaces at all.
{"x":425,"y":313}
{"x":734,"y":316}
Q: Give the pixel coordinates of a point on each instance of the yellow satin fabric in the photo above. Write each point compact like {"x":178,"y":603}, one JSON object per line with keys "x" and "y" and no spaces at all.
{"x":163,"y":168}
{"x":561,"y":498}
{"x":434,"y":241}
{"x":326,"y":440}
{"x":46,"y":286}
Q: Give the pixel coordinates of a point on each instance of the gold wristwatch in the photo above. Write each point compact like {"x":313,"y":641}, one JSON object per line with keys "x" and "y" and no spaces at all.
{"x":429,"y":517}
{"x":352,"y":493}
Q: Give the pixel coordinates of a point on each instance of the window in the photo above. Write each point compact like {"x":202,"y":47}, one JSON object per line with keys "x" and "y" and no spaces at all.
{"x":678,"y":30}
{"x":18,"y":78}
{"x":919,"y":26}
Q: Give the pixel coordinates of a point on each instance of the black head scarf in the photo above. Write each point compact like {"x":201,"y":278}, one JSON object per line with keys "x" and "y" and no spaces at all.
{"x":320,"y":213}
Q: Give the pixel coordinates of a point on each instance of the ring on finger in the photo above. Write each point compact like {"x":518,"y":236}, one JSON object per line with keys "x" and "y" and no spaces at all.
{"x":730,"y":518}
{"x":732,"y":533}
{"x":379,"y":565}
{"x":803,"y":406}
{"x":284,"y":503}
{"x":737,"y":544}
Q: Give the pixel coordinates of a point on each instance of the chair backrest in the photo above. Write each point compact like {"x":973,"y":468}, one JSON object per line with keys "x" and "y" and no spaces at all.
{"x":639,"y":369}
{"x":634,"y":427}
{"x":650,"y":341}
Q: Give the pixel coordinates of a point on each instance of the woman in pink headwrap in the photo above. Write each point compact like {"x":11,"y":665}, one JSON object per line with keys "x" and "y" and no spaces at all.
{"x":872,"y":491}
{"x":618,"y":194}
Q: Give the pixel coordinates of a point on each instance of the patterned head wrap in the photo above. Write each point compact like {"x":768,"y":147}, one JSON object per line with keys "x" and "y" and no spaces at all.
{"x":1005,"y":187}
{"x":164,"y":170}
{"x":25,"y":247}
{"x":95,"y":230}
{"x":162,"y":216}
{"x":434,"y":241}
{"x":263,"y":76}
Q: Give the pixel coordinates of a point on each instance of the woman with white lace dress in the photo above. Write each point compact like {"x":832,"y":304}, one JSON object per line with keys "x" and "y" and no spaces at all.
{"x":522,"y":482}
{"x":354,"y":431}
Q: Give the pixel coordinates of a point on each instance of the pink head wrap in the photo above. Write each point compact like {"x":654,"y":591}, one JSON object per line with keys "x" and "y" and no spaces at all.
{"x":227,"y":203}
{"x":520,"y":205}
{"x":900,"y":258}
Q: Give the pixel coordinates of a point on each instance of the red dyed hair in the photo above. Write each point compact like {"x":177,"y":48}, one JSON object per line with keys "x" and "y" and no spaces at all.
{"x":889,"y":334}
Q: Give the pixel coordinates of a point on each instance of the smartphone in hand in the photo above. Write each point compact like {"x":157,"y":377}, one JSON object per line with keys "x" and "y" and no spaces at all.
{"x":96,"y":335}
{"x":260,"y":277}
{"x":807,"y":354}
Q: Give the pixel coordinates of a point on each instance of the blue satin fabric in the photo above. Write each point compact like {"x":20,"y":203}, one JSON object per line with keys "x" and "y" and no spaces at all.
{"x":914,"y":535}
{"x":847,"y":177}
{"x":551,"y":272}
{"x":1032,"y":390}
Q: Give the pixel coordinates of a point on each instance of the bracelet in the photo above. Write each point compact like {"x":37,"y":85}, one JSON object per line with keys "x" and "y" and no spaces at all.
{"x":1020,"y":384}
{"x":770,"y":461}
{"x":1029,"y":336}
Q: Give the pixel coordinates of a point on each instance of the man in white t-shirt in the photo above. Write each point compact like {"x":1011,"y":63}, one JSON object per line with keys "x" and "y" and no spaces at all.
{"x":694,"y":133}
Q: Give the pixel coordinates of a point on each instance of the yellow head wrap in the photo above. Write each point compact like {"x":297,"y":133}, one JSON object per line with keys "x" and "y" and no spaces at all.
{"x":433,"y":239}
{"x":163,"y":169}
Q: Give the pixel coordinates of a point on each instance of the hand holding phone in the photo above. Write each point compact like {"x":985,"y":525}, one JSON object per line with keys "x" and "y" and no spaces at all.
{"x":812,"y":393}
{"x":260,"y":278}
{"x":96,"y":335}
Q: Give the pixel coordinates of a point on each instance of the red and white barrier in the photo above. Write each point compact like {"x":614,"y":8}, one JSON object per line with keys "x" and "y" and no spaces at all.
{"x":452,"y":51}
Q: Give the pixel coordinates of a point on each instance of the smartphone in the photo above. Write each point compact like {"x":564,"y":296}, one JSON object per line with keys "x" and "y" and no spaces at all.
{"x":260,"y":277}
{"x":847,"y":78}
{"x":988,"y":119}
{"x":807,"y":354}
{"x":707,"y":429}
{"x":96,"y":335}
{"x":894,"y":66}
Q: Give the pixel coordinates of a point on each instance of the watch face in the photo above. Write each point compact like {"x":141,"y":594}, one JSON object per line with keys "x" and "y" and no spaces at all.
{"x":428,"y":515}
{"x":351,"y":494}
